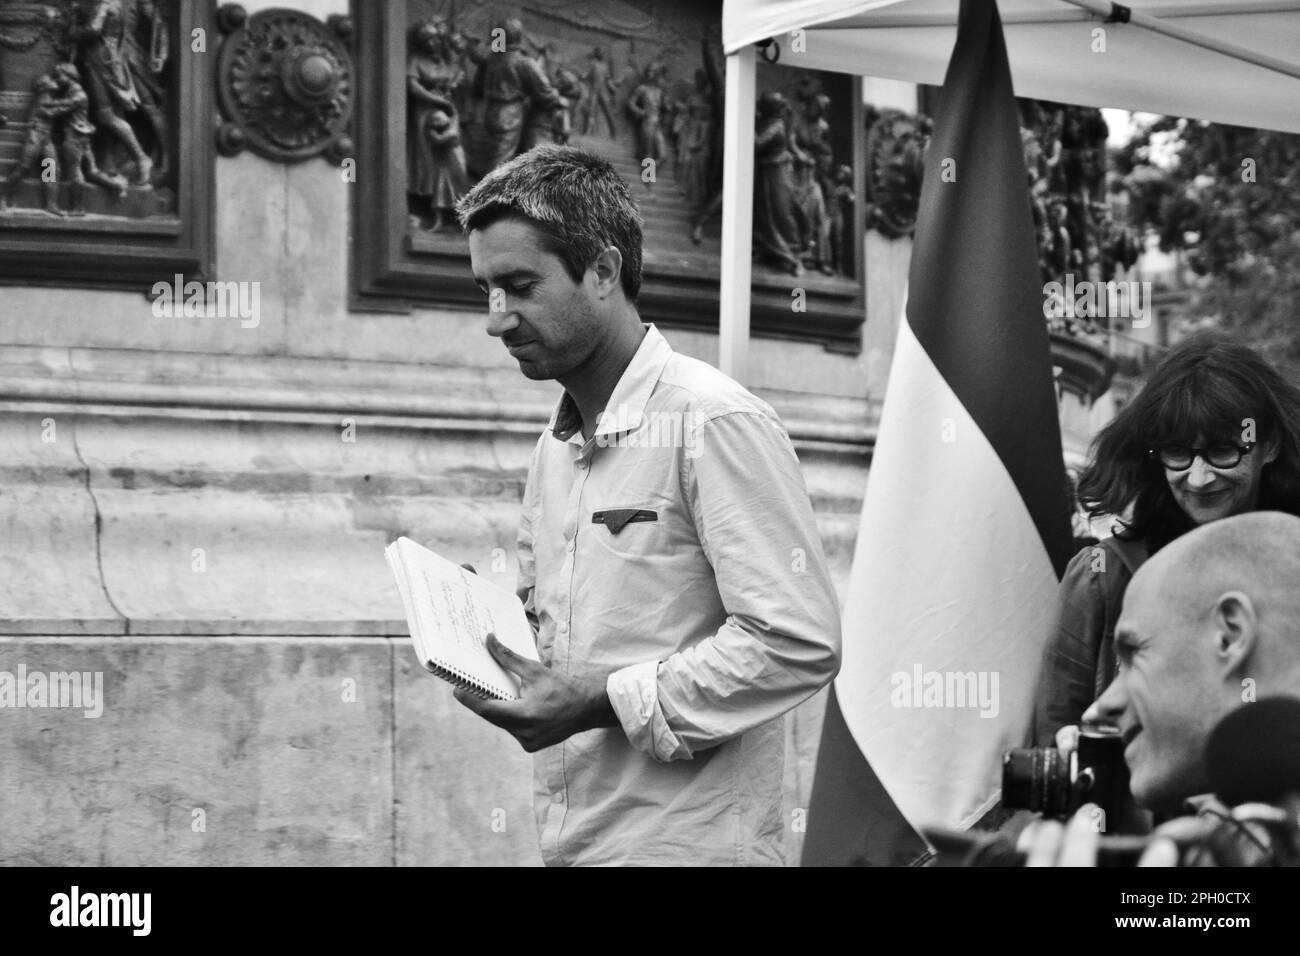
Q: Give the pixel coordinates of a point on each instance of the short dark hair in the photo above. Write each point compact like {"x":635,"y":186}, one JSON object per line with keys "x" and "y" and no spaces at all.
{"x":1208,"y":385}
{"x":576,"y":198}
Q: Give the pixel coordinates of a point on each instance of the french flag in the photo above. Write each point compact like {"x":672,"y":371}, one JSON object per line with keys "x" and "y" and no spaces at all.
{"x":965,"y":526}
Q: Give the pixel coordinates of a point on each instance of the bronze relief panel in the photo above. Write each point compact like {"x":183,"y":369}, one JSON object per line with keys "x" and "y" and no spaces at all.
{"x":449,"y":91}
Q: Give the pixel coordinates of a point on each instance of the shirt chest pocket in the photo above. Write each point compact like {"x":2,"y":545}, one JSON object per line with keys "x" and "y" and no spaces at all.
{"x":629,"y":526}
{"x":616,"y":519}
{"x":630,"y":506}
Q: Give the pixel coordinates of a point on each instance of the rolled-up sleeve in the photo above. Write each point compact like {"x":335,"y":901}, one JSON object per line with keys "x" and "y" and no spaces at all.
{"x":781,"y":639}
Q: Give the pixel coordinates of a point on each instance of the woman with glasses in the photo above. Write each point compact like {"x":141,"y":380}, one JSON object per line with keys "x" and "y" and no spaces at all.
{"x":1215,"y":432}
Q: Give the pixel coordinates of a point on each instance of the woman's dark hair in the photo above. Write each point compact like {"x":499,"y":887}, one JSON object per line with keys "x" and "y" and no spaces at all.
{"x":1209,"y":386}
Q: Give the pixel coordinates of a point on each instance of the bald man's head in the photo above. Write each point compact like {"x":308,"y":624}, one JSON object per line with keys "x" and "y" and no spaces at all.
{"x":1211,"y":621}
{"x":1257,"y":554}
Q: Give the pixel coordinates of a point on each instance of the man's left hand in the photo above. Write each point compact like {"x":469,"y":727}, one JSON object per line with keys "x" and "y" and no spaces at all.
{"x":1051,"y":843}
{"x":551,"y":707}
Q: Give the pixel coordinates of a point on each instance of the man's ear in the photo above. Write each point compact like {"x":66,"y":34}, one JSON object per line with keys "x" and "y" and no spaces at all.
{"x":1236,"y":630}
{"x":609,"y":271}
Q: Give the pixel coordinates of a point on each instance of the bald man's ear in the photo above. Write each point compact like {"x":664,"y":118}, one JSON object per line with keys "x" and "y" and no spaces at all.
{"x":1236,"y":627}
{"x":609,"y":271}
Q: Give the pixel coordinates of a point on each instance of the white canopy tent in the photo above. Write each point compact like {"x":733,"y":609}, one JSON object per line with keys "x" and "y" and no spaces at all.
{"x":1227,"y":61}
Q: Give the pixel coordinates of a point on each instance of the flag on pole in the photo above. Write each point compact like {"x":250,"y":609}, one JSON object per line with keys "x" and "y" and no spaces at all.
{"x":965,"y":524}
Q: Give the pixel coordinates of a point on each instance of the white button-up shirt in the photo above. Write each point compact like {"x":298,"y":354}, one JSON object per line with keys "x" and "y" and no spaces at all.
{"x":677,"y":552}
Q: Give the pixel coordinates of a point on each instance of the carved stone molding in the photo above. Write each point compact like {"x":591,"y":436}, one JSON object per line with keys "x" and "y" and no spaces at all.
{"x":285,"y":83}
{"x":422,"y":398}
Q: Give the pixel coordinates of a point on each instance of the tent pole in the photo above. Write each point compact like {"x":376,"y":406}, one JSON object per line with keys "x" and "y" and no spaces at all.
{"x":737,"y":214}
{"x":1104,"y":8}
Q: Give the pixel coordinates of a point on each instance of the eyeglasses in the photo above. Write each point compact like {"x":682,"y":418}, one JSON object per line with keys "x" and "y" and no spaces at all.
{"x":1180,"y":457}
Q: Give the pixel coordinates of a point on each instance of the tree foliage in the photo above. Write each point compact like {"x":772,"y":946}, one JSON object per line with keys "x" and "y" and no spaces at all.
{"x":1229,"y":198}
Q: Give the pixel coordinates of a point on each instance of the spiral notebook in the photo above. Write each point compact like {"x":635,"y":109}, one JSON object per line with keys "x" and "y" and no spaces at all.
{"x":450,"y":612}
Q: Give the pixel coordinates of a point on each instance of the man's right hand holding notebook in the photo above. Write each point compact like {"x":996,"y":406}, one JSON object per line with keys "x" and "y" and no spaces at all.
{"x":551,"y":707}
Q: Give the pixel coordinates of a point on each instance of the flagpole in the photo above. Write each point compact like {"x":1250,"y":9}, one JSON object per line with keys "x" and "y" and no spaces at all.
{"x":737,"y":214}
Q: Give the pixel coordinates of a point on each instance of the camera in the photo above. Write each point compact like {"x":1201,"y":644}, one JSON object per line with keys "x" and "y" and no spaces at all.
{"x":1044,"y":780}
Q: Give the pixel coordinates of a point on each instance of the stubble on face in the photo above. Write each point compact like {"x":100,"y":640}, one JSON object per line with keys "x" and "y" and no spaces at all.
{"x":546,"y":321}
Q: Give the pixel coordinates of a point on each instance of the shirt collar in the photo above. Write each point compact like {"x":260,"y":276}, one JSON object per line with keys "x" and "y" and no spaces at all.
{"x":626,"y":406}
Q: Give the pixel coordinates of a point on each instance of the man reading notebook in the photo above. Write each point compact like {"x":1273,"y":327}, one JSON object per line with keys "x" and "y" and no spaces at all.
{"x":669,"y":559}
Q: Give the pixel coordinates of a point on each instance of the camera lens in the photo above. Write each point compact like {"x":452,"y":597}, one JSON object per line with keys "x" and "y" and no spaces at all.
{"x":1036,"y":779}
